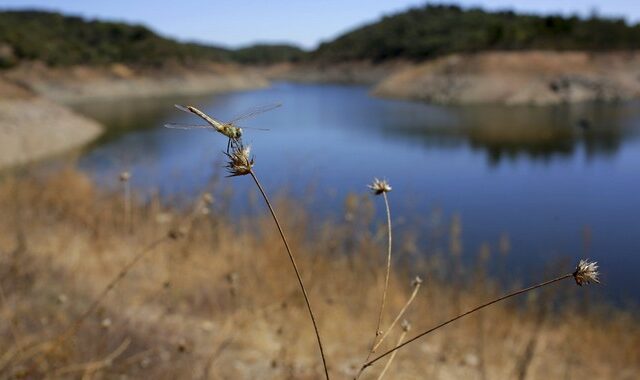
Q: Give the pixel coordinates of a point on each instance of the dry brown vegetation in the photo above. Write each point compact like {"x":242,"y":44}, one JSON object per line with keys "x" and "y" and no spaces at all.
{"x":222,"y":301}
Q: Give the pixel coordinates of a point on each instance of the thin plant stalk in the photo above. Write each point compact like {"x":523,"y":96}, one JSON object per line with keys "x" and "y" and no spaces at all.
{"x":127,"y":206}
{"x":295,"y":268}
{"x":94,"y":366}
{"x":370,"y":362}
{"x":386,"y":277}
{"x":378,"y":332}
{"x":400,"y":314}
{"x":393,"y":356}
{"x":125,"y":178}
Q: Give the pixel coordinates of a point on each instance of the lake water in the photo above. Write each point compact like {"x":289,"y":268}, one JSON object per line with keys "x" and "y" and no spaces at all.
{"x":559,"y":181}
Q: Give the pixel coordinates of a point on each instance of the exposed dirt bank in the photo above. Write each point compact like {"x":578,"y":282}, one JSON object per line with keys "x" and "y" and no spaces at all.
{"x":79,"y":84}
{"x":533,"y":77}
{"x":518,"y":78}
{"x":34,"y":125}
{"x":365,"y":73}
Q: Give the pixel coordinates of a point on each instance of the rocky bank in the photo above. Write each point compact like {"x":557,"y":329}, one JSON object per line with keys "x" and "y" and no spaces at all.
{"x":35,"y":123}
{"x":539,"y":78}
{"x":511,"y":78}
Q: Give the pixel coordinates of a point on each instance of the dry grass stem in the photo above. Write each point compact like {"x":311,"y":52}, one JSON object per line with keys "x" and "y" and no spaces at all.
{"x":295,"y":268}
{"x":406,"y":326}
{"x":583,"y":270}
{"x":417,"y":282}
{"x":91,"y":367}
{"x":382,"y":187}
{"x":125,"y":178}
{"x":388,"y":270}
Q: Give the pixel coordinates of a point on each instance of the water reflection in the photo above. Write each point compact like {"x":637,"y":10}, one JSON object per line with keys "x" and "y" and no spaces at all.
{"x":126,"y":115}
{"x":510,"y":133}
{"x":503,"y":133}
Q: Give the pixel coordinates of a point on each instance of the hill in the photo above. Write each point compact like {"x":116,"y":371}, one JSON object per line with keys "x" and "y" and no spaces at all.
{"x":268,"y":54}
{"x":437,"y":30}
{"x":60,"y":40}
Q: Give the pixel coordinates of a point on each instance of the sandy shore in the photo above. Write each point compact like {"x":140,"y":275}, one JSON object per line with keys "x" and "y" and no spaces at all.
{"x":81,"y":84}
{"x":539,"y":78}
{"x":361,"y":73}
{"x":35,"y":123}
{"x":512,"y":78}
{"x":31,"y":129}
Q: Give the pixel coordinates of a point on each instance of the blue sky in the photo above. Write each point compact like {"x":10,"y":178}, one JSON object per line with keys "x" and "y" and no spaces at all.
{"x":303,"y":22}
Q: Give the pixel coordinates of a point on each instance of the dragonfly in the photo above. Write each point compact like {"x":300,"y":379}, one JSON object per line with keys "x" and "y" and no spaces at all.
{"x":229,"y":128}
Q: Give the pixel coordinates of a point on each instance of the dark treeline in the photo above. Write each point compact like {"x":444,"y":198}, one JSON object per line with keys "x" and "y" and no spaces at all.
{"x":60,"y":40}
{"x":263,"y":53}
{"x":65,"y":40}
{"x":419,"y":33}
{"x":431,"y":31}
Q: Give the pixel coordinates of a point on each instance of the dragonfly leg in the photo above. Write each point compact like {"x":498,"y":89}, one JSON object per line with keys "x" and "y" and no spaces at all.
{"x":228,"y":145}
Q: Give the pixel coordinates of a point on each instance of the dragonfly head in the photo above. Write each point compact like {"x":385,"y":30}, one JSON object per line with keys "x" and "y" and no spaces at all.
{"x":237,"y":132}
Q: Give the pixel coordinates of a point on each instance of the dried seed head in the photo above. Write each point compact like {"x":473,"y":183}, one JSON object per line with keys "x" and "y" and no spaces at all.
{"x":240,"y":160}
{"x":416,"y":281}
{"x":380,"y":186}
{"x":62,"y":298}
{"x":177,"y":233}
{"x":106,"y":323}
{"x":405,"y":325}
{"x":207,"y":198}
{"x":124,"y":176}
{"x":586,"y":272}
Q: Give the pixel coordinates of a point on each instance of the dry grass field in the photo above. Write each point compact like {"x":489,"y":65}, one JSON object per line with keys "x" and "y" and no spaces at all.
{"x":217,"y":298}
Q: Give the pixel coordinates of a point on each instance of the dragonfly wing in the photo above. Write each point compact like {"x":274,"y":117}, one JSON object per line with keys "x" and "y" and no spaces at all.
{"x":255,"y":112}
{"x":186,"y":126}
{"x":257,"y":129}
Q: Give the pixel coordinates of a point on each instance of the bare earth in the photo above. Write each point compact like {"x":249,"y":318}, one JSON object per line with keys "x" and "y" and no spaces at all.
{"x":81,"y":84}
{"x":34,"y":125}
{"x":363,"y":73}
{"x":518,"y":78}
{"x":534,"y":77}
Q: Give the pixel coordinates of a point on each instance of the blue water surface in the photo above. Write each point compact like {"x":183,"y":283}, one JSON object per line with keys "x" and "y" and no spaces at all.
{"x":560,"y":182}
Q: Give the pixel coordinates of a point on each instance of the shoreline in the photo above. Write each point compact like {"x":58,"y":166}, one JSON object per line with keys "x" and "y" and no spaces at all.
{"x":33,"y":96}
{"x":82,"y":83}
{"x":495,"y":78}
{"x":31,"y":93}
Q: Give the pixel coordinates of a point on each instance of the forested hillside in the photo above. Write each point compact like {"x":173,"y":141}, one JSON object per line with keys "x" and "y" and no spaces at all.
{"x":60,"y":40}
{"x":431,"y":31}
{"x":416,"y":34}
